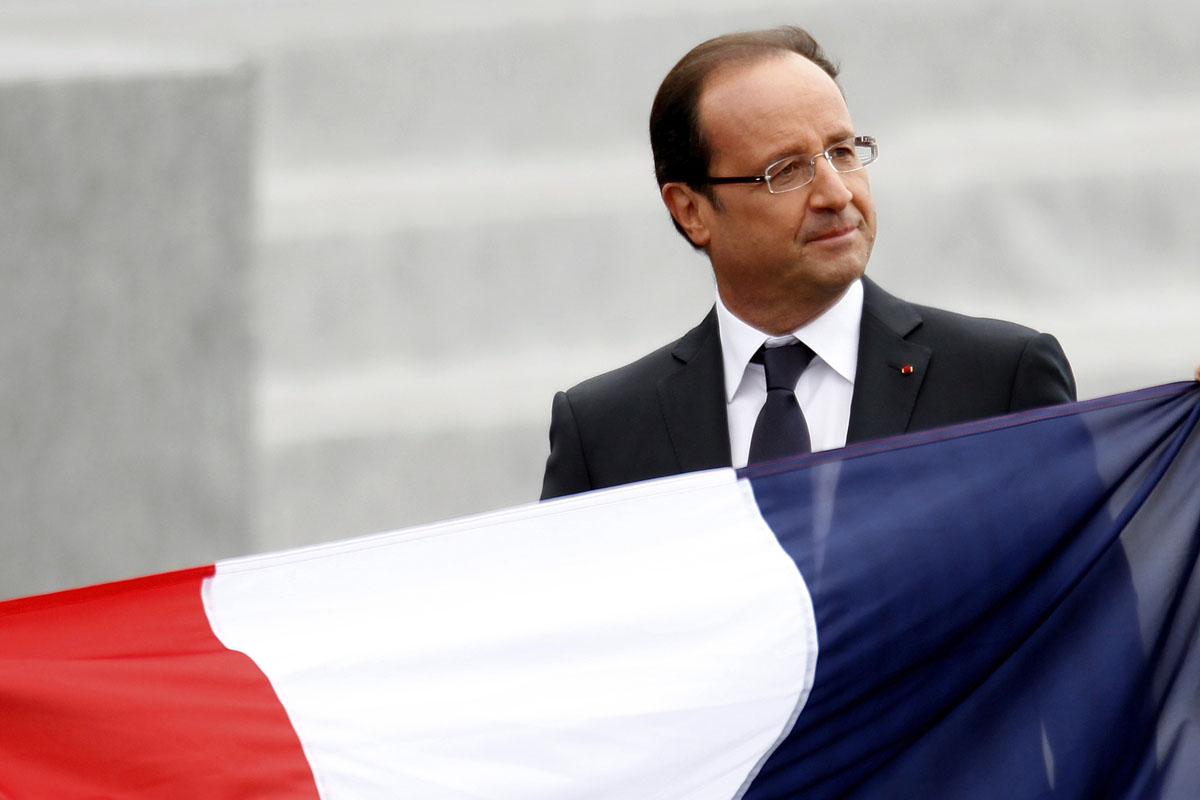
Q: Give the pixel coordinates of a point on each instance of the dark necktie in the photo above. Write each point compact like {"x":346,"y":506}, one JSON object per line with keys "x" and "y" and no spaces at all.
{"x":780,"y":429}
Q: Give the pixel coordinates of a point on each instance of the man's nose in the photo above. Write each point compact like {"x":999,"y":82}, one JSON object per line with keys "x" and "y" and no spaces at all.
{"x":829,"y":188}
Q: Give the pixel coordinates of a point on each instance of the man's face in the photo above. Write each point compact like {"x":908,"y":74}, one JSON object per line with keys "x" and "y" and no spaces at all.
{"x":799,"y":249}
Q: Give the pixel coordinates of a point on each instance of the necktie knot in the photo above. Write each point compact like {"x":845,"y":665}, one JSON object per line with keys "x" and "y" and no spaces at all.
{"x":784,"y":365}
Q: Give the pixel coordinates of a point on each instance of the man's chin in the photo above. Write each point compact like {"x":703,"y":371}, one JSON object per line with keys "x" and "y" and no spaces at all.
{"x":836,"y":276}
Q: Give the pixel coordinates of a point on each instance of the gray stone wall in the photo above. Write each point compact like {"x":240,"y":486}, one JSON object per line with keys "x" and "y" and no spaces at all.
{"x":125,"y":353}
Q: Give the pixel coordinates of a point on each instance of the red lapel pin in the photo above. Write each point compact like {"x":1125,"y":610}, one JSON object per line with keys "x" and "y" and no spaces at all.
{"x":907,"y":369}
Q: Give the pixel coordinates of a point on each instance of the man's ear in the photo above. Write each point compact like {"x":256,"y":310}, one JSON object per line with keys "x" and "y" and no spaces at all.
{"x":688,"y":208}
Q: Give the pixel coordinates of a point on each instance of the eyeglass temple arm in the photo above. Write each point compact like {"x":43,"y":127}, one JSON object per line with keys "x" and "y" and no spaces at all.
{"x":747,"y":179}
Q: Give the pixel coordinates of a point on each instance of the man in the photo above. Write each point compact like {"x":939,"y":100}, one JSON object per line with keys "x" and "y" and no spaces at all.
{"x":761,"y":167}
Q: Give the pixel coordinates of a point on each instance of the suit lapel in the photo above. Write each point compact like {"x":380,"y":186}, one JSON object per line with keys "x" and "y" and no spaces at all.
{"x":890,"y":368}
{"x":693,"y":400}
{"x":885,"y":390}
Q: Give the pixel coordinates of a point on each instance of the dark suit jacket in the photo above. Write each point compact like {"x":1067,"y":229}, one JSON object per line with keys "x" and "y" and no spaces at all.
{"x":665,"y":413}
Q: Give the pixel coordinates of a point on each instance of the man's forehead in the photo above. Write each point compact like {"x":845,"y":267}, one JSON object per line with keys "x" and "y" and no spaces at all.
{"x":774,"y":97}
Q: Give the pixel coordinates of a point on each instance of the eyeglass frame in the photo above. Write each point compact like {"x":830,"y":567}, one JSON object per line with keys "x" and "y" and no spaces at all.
{"x":868,"y":141}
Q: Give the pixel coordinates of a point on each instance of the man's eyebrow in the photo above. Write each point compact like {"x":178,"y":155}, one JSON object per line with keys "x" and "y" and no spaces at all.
{"x":779,"y":155}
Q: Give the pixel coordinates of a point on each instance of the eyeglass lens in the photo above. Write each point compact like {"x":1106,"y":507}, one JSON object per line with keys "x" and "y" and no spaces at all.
{"x":796,"y":171}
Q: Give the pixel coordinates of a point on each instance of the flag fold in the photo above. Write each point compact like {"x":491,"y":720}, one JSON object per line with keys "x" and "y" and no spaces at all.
{"x":1007,"y":608}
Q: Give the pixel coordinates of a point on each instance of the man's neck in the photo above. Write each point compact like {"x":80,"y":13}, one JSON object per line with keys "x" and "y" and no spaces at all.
{"x":777,"y":319}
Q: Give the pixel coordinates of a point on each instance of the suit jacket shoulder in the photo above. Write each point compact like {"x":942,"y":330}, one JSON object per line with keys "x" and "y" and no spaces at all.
{"x":660,"y":415}
{"x":922,"y":367}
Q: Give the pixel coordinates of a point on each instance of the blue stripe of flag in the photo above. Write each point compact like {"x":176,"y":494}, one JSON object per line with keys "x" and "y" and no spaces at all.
{"x":1004,"y":609}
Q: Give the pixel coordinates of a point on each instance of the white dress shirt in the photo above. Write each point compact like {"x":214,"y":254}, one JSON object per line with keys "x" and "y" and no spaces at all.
{"x":823,"y":391}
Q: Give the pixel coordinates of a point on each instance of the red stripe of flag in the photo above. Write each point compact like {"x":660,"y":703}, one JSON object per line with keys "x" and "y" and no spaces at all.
{"x":123,"y":690}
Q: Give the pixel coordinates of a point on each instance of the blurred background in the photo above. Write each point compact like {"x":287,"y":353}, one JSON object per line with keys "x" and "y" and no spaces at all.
{"x":277,"y":273}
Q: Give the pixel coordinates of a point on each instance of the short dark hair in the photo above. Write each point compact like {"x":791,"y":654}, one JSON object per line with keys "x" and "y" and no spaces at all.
{"x":680,"y":147}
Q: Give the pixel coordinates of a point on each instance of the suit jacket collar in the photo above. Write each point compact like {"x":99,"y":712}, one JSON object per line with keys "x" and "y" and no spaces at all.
{"x":693,"y":400}
{"x":890,"y":368}
{"x":885,"y":389}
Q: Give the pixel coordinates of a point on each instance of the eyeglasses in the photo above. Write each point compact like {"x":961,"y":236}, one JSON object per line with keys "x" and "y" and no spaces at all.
{"x":794,"y":172}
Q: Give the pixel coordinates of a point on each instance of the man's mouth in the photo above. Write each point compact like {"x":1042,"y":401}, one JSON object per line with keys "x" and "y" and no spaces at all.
{"x":833,"y":234}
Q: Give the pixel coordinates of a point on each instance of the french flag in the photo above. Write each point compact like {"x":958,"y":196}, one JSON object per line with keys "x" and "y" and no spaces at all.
{"x":1008,"y":608}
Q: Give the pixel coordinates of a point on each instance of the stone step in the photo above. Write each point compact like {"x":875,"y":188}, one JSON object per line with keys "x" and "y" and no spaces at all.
{"x":377,"y":79}
{"x":331,"y":488}
{"x":531,"y":88}
{"x":433,"y":290}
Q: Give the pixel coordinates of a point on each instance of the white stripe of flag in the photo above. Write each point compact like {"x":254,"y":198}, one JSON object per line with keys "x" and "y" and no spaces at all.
{"x":650,"y":641}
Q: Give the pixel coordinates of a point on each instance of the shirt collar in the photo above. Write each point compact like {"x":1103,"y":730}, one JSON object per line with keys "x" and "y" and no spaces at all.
{"x":833,"y":336}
